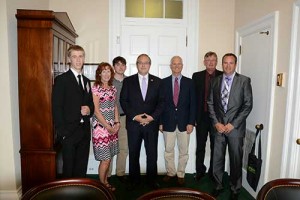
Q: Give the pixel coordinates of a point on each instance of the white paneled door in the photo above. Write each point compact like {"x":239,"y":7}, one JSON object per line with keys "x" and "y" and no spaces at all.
{"x":257,"y":62}
{"x":291,"y":154}
{"x":161,"y":43}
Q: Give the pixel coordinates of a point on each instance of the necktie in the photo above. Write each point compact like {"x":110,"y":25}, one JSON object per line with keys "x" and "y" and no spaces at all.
{"x":176,"y":92}
{"x":144,"y":88}
{"x":225,"y":93}
{"x":79,"y":83}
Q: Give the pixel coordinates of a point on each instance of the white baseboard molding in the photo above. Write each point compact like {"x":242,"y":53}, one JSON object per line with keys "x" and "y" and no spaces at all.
{"x":11,"y":194}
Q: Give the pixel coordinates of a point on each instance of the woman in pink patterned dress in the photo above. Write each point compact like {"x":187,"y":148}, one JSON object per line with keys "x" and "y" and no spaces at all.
{"x":105,"y":120}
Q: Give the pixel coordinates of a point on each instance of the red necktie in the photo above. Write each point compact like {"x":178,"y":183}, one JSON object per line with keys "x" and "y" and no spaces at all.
{"x":176,"y":92}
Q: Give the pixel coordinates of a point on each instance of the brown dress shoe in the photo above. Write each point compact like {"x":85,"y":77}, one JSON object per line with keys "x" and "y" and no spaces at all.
{"x":168,"y":178}
{"x":180,"y":181}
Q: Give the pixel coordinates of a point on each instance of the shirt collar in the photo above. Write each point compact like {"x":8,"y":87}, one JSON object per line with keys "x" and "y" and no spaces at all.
{"x":75,"y":72}
{"x":146,"y":76}
{"x":179,"y":77}
{"x":231,"y":76}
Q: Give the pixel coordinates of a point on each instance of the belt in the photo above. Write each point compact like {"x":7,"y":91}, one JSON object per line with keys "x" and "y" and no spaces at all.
{"x":123,"y":114}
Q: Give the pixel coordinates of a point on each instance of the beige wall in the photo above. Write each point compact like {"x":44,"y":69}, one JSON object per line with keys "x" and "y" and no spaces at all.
{"x":216,"y":29}
{"x":90,"y":20}
{"x":247,"y":12}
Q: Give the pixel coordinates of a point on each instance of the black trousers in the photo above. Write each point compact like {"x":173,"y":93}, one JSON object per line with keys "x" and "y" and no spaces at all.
{"x":136,"y":134}
{"x":75,"y":152}
{"x":203,"y":129}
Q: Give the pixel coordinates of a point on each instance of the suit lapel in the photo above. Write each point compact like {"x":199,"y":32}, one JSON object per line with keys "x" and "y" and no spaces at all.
{"x":170,"y":88}
{"x":181,"y":86}
{"x":150,"y":86}
{"x":219,"y":86}
{"x":233,"y":89}
{"x":74,"y":80}
{"x":137,"y":84}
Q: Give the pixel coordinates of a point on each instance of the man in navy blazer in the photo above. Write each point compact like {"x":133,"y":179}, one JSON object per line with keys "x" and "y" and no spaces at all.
{"x":230,"y":102}
{"x":177,"y":119}
{"x":143,"y":104}
{"x":72,"y":105}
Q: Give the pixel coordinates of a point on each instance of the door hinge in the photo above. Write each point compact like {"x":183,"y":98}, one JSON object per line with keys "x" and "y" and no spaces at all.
{"x":186,"y":40}
{"x":240,"y":49}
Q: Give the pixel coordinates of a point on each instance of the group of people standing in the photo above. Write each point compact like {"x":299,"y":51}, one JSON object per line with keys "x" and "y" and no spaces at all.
{"x":127,"y":111}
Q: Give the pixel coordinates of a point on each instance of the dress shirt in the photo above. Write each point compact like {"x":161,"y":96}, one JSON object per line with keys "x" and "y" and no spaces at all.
{"x":141,"y":79}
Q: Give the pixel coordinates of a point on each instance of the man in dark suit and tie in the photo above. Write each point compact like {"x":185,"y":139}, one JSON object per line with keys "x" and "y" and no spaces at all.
{"x":143,"y":104}
{"x":203,"y":123}
{"x":229,"y":104}
{"x":177,"y":119}
{"x":72,"y":107}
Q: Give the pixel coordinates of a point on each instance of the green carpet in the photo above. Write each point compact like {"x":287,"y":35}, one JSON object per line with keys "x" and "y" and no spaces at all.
{"x":205,"y":185}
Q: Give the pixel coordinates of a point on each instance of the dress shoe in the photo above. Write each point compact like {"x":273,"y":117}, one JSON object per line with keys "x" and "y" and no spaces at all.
{"x":180,"y":181}
{"x":167,"y":178}
{"x":199,"y":176}
{"x":133,"y":186}
{"x":234,"y":196}
{"x":122,"y":179}
{"x":153,"y":185}
{"x":217,"y":192}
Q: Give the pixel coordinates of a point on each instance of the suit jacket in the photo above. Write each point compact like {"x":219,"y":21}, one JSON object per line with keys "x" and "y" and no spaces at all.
{"x":199,"y":81}
{"x":67,"y":100}
{"x":185,"y":112}
{"x":239,"y":104}
{"x":132,"y":101}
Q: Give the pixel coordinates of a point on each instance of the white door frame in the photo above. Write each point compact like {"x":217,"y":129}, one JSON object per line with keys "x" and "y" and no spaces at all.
{"x":191,"y":13}
{"x":271,"y":22}
{"x":290,"y":156}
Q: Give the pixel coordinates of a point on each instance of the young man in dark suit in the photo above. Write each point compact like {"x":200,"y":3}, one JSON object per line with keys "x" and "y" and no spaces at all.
{"x":177,"y":119}
{"x":203,"y":123}
{"x":72,"y":105}
{"x":142,"y":103}
{"x":230,"y":102}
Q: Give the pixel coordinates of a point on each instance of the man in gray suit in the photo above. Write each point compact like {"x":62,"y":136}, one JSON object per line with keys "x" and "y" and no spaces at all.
{"x":229,"y":103}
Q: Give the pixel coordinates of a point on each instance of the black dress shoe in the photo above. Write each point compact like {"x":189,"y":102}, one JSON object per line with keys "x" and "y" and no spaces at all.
{"x":217,"y":192}
{"x":168,"y":178}
{"x":234,"y":196}
{"x":199,"y":176}
{"x":123,"y":179}
{"x":133,"y":186}
{"x":154,"y":185}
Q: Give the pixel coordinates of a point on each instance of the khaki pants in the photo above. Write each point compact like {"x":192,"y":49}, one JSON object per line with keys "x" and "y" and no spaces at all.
{"x":123,"y":146}
{"x":183,"y":140}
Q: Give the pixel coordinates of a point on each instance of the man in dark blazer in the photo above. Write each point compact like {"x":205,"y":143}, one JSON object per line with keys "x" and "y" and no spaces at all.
{"x":230,"y":102}
{"x":72,"y":107}
{"x":143,"y":104}
{"x":177,"y":119}
{"x":203,"y":123}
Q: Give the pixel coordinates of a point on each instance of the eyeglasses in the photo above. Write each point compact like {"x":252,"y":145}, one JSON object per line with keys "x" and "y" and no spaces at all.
{"x":143,"y":63}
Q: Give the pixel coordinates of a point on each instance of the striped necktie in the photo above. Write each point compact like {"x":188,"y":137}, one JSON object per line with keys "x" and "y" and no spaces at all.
{"x":225,"y":93}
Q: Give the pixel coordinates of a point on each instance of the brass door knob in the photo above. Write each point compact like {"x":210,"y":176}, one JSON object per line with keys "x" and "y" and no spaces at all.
{"x":298,"y":141}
